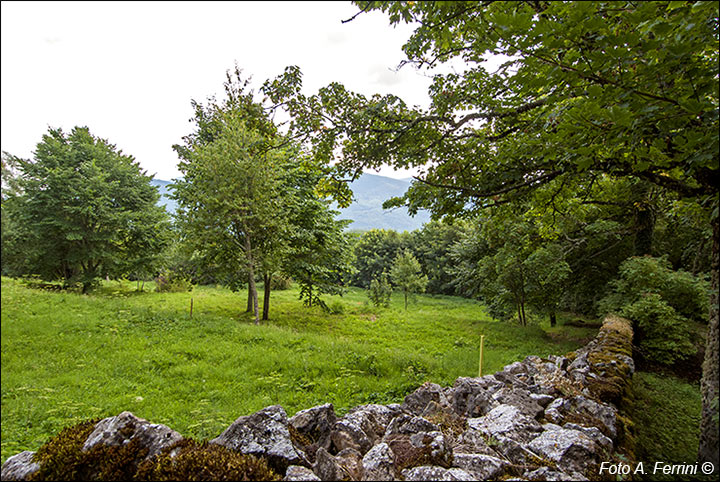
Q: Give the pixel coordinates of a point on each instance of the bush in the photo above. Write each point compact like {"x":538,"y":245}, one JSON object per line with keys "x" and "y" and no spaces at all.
{"x":660,"y":302}
{"x":380,"y":291}
{"x":173,"y":282}
{"x":688,"y":295}
{"x":661,"y":334}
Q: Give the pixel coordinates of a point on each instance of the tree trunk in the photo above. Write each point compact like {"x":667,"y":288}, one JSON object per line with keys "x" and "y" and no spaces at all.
{"x":553,"y":319}
{"x":524,"y":317}
{"x":266,"y":296}
{"x":644,"y":223}
{"x":251,"y":279}
{"x":253,"y":290}
{"x":708,"y":448}
{"x":250,"y":300}
{"x":517,"y":303}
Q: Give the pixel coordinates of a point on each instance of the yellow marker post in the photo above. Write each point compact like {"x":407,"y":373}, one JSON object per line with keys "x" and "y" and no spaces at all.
{"x":482,"y":338}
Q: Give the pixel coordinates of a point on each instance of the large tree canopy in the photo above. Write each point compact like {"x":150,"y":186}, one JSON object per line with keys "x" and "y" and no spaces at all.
{"x":590,"y":92}
{"x":81,"y":210}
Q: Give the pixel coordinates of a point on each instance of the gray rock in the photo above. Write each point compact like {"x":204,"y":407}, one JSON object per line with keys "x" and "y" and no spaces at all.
{"x":481,"y":467}
{"x":19,"y":466}
{"x":542,"y":399}
{"x":408,"y":424}
{"x":571,"y":450}
{"x":520,"y":399}
{"x":380,"y":414}
{"x":546,"y":473}
{"x":583,"y":411}
{"x":378,"y":463}
{"x":473,"y":441}
{"x":507,"y":421}
{"x":121,"y":429}
{"x":313,"y":425}
{"x":595,"y":434}
{"x":298,"y":472}
{"x":361,"y":428}
{"x":472,"y":397}
{"x":417,"y":441}
{"x":350,"y":461}
{"x":510,"y":380}
{"x":326,"y":467}
{"x":418,"y":400}
{"x":263,"y":434}
{"x":430,"y":473}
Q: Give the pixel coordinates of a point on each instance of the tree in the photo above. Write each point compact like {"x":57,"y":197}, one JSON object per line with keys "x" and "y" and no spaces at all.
{"x":87,"y":211}
{"x":431,"y":246}
{"x":588,"y":91}
{"x":318,"y":257}
{"x":548,"y":274}
{"x":406,"y":274}
{"x":375,"y":252}
{"x":229,"y":198}
{"x":380,"y":291}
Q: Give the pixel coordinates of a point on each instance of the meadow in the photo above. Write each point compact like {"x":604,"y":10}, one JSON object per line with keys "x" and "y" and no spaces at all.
{"x":68,"y":357}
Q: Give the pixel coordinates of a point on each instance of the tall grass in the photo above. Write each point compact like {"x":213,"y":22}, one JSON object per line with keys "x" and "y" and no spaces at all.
{"x":68,"y":357}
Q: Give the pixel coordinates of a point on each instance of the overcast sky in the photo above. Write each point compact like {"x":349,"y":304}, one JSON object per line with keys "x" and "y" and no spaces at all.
{"x":129,"y":70}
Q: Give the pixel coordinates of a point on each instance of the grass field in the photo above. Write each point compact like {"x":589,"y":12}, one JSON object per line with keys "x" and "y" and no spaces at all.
{"x":67,"y":357}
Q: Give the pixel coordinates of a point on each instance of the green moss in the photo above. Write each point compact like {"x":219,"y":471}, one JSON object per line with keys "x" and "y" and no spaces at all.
{"x":204,"y":461}
{"x":62,"y":457}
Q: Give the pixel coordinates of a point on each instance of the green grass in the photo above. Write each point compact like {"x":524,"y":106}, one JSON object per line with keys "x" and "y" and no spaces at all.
{"x":667,"y":415}
{"x":68,"y":357}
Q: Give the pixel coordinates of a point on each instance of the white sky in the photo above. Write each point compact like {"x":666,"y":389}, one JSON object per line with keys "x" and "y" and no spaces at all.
{"x":129,"y":70}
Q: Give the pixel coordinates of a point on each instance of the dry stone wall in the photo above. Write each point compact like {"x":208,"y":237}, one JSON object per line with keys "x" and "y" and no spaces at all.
{"x":538,"y":419}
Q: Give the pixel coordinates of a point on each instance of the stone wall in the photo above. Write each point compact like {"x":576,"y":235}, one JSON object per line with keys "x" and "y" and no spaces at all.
{"x":538,"y":419}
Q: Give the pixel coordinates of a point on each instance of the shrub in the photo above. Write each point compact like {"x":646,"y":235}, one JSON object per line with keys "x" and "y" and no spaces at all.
{"x":661,"y":333}
{"x":660,"y":302}
{"x":173,"y":282}
{"x":688,"y":295}
{"x":380,"y":291}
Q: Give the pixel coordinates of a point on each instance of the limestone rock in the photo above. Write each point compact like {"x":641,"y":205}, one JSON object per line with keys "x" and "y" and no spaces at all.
{"x":120,"y":429}
{"x":263,"y":434}
{"x":418,"y":400}
{"x":480,"y":466}
{"x":595,"y":434}
{"x":360,"y":428}
{"x":571,"y":450}
{"x":312,"y":429}
{"x":350,"y":461}
{"x":507,"y":421}
{"x":430,"y":473}
{"x":326,"y":467}
{"x":520,"y":399}
{"x":548,"y":474}
{"x":583,"y":411}
{"x":19,"y":466}
{"x":378,"y":463}
{"x":472,"y":397}
{"x":298,"y":472}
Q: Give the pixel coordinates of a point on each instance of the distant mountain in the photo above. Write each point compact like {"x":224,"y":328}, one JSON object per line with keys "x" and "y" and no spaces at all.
{"x":170,"y":204}
{"x":369,"y":192}
{"x":366,"y":212}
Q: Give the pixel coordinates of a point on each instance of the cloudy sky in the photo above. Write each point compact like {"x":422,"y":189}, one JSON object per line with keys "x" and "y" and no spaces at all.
{"x":129,"y":70}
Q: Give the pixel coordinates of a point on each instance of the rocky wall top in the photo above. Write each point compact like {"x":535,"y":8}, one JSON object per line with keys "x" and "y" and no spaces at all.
{"x":538,"y":419}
